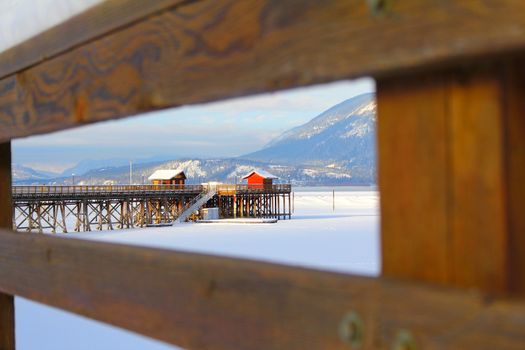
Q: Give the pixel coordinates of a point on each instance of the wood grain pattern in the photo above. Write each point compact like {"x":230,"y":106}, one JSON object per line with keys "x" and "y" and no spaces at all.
{"x":7,"y":322}
{"x":6,"y":219}
{"x":514,"y":138}
{"x":99,"y":20}
{"x":204,"y":302}
{"x":478,"y":219}
{"x":412,"y":168}
{"x":208,"y":50}
{"x":452,"y":190}
{"x":7,"y":312}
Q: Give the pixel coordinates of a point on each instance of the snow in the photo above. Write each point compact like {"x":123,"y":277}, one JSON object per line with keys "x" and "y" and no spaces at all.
{"x":358,"y":128}
{"x":344,"y":240}
{"x":369,"y":108}
{"x":331,"y":117}
{"x":191,"y":167}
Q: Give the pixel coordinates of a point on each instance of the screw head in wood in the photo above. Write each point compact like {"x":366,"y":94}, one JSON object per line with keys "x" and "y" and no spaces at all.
{"x":404,"y":341}
{"x":351,"y":330}
{"x":378,"y":7}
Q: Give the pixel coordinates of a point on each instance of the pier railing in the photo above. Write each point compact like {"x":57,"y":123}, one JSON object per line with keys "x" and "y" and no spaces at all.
{"x":103,"y":189}
{"x":235,"y":188}
{"x":44,"y":191}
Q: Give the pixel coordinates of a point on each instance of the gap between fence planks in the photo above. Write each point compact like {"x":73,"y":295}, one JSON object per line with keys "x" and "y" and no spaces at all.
{"x":206,"y":302}
{"x":207,"y":50}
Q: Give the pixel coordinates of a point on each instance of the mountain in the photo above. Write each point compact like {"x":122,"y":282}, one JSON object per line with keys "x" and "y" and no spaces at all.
{"x":21,"y":172}
{"x":335,"y":148}
{"x":222,"y":170}
{"x":87,"y":165}
{"x":204,"y":170}
{"x":90,"y":164}
{"x":341,"y":137}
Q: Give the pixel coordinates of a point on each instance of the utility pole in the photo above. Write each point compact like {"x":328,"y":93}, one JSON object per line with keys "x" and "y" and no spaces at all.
{"x":130,"y":172}
{"x":333,"y":200}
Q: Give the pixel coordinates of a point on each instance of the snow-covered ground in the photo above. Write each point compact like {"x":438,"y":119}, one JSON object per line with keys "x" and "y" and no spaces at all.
{"x":344,"y":240}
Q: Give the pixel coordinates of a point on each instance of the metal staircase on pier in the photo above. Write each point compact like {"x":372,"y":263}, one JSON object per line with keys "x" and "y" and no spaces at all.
{"x":197,"y":203}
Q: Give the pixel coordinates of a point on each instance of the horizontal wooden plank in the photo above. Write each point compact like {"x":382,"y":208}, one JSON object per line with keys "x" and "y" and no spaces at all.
{"x":89,"y":25}
{"x":205,"y":302}
{"x":208,"y":50}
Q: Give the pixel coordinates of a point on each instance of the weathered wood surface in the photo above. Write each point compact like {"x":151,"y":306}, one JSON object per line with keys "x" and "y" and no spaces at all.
{"x":204,"y":302}
{"x":101,"y":19}
{"x":7,"y":322}
{"x":412,"y":173}
{"x":451,"y":163}
{"x":478,"y":235}
{"x":514,"y":163}
{"x":208,"y":50}
{"x":5,"y":185}
{"x":7,"y":313}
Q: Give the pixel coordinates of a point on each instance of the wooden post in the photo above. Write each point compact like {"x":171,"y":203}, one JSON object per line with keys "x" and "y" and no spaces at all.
{"x":108,"y":215}
{"x":63,"y":212}
{"x":451,"y":170}
{"x":289,"y":207}
{"x":278,"y":205}
{"x":87,"y":221}
{"x":7,"y":307}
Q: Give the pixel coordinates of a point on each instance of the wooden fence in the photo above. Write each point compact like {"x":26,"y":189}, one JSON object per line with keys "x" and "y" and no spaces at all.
{"x":451,"y":143}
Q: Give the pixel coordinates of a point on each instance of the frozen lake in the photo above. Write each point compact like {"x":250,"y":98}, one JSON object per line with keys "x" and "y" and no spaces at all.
{"x":344,"y":240}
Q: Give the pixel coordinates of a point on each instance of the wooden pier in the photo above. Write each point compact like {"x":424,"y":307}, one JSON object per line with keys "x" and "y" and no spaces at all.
{"x":86,"y":208}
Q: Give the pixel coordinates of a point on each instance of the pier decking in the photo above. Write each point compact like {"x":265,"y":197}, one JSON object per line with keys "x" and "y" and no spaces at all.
{"x":108,"y":207}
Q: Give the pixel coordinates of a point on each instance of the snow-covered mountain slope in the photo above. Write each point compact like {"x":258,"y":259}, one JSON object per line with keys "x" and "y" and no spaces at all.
{"x":342,"y":136}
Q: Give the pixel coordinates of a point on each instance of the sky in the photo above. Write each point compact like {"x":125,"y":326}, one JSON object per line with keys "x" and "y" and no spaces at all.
{"x":22,"y":19}
{"x":228,"y":128}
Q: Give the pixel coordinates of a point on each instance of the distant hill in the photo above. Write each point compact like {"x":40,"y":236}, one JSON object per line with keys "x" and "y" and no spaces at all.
{"x":341,"y":137}
{"x":89,"y":164}
{"x":21,"y":172}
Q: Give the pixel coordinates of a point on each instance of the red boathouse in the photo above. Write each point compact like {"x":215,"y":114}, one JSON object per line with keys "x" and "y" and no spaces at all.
{"x":259,"y":179}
